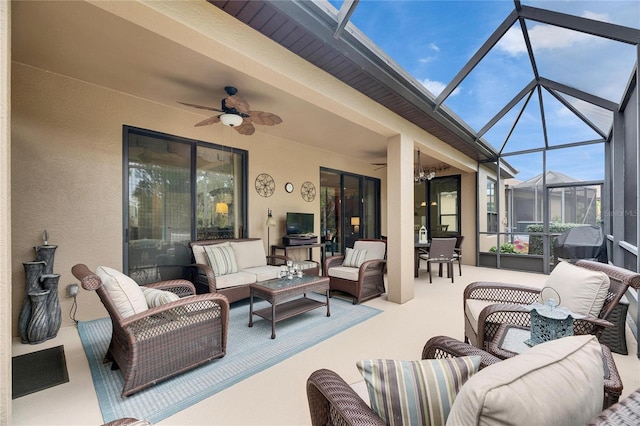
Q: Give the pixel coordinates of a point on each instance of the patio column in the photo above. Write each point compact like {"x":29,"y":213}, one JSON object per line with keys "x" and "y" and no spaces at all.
{"x":400,"y":219}
{"x":5,"y":212}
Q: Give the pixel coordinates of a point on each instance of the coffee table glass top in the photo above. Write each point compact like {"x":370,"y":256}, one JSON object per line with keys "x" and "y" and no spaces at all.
{"x":514,"y":340}
{"x":283,"y":283}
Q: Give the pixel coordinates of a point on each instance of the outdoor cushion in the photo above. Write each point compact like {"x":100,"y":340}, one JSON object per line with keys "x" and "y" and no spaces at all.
{"x":125,"y":293}
{"x":472,"y":309}
{"x":221,"y":259}
{"x":263,"y":273}
{"x":581,"y":290}
{"x":344,"y":272}
{"x":249,"y":253}
{"x":375,"y":249}
{"x":199,"y":254}
{"x":559,"y":382}
{"x":416,"y":392}
{"x":232,"y":280}
{"x":354,"y":258}
{"x":156,"y":297}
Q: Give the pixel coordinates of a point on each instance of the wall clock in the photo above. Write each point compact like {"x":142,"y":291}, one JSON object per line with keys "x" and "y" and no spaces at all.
{"x":308,"y":191}
{"x":265,"y":185}
{"x":288,"y":187}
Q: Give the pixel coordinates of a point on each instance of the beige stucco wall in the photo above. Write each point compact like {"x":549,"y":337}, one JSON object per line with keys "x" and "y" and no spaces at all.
{"x":67,"y":174}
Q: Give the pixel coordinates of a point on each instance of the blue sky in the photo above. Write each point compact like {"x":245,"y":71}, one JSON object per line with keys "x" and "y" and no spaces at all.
{"x":433,"y":40}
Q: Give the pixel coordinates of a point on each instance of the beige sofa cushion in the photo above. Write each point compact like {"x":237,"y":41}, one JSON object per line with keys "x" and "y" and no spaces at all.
{"x":472,"y":310}
{"x":199,"y":254}
{"x":232,"y":280}
{"x":581,"y":290}
{"x":375,"y":249}
{"x":249,"y":254}
{"x":554,"y":383}
{"x":344,"y":272}
{"x":264,"y":273}
{"x":125,"y":293}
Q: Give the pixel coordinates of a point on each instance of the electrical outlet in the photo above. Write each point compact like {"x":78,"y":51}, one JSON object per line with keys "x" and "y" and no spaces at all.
{"x":72,"y":290}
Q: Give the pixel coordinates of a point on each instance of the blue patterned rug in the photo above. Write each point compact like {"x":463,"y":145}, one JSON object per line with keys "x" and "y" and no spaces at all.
{"x":249,"y":351}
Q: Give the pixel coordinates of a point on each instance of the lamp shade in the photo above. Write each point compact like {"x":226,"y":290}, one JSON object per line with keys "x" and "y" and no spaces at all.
{"x":222,"y":208}
{"x":355,"y":221}
{"x":271,"y":221}
{"x":231,"y":120}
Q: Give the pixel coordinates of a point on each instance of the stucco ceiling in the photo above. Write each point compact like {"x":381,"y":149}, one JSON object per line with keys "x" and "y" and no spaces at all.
{"x":84,"y":42}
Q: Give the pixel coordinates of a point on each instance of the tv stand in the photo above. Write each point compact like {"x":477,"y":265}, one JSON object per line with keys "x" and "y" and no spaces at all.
{"x":286,"y":248}
{"x":299,"y":240}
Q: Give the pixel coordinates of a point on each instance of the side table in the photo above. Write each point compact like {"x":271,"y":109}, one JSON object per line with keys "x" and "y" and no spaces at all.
{"x":509,"y":342}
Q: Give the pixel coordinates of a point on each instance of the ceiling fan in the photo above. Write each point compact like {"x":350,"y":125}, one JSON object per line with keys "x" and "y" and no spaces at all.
{"x":236,"y":113}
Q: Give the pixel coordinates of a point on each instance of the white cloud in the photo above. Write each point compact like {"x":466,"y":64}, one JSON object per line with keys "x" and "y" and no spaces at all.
{"x":434,"y":47}
{"x":545,"y":36}
{"x":436,"y":87}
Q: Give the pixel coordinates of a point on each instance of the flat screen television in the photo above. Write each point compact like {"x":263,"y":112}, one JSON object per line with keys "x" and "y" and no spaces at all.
{"x":299,"y":223}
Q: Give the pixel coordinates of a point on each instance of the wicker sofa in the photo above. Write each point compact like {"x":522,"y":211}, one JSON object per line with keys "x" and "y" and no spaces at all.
{"x":334,"y":402}
{"x":252,"y":266}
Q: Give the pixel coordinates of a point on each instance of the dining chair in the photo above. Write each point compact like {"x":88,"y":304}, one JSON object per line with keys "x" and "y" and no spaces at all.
{"x":441,"y":251}
{"x":457,"y":254}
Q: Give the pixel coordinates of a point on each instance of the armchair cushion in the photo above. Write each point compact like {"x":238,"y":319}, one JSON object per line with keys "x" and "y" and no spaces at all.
{"x":375,"y":249}
{"x":354,"y":258}
{"x":222,"y":259}
{"x":344,"y":272}
{"x":556,"y":382}
{"x":249,"y":253}
{"x":473,"y":308}
{"x":155,"y":297}
{"x":416,"y":392}
{"x":581,"y":290}
{"x":125,"y":293}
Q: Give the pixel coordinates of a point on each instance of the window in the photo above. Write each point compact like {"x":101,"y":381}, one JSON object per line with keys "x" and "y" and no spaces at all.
{"x":177,"y":190}
{"x":444,"y":206}
{"x":492,"y":212}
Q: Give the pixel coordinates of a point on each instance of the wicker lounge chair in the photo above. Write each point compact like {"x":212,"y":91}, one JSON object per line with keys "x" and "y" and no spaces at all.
{"x":166,"y":340}
{"x":365,"y":282}
{"x":333,"y":402}
{"x":509,"y":299}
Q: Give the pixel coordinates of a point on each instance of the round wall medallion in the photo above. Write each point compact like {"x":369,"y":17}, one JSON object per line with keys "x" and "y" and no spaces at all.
{"x":288,"y":187}
{"x":265,"y":185}
{"x":308,"y":191}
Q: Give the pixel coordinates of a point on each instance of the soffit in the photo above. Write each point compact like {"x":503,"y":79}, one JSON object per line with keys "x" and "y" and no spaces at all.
{"x":306,"y":30}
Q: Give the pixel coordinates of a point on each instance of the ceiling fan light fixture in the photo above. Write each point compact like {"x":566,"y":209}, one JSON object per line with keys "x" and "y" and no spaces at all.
{"x":231,"y":120}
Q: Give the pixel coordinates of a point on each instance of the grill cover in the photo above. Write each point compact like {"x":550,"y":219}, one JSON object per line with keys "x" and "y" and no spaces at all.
{"x":583,"y":242}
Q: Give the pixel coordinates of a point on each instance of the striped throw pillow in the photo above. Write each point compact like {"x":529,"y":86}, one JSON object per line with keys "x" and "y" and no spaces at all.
{"x":354,"y":258}
{"x":156,"y":297}
{"x":416,"y":392}
{"x":222,"y":259}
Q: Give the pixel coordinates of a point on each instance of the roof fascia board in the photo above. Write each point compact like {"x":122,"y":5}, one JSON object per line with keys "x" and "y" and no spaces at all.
{"x":477,"y":57}
{"x":356,"y":48}
{"x":589,"y":26}
{"x":576,"y":93}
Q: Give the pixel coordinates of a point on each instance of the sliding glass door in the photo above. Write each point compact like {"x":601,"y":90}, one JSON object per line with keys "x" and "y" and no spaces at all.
{"x":177,"y":190}
{"x":350,"y":208}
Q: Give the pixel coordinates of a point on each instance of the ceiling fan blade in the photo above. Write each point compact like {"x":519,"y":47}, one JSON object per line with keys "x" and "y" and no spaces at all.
{"x":238,"y":103}
{"x":265,"y":118}
{"x":201,"y":107}
{"x":211,"y":120}
{"x":246,"y":128}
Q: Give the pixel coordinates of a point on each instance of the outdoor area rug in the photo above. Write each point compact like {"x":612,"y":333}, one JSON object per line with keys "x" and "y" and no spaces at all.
{"x":249,"y":351}
{"x":39,"y":370}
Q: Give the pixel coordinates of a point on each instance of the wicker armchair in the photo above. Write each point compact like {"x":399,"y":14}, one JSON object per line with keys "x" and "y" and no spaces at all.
{"x":509,"y":298}
{"x":362,"y":283}
{"x":333,"y":402}
{"x":166,"y":340}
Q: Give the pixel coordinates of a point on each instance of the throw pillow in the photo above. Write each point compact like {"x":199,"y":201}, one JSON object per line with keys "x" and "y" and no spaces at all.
{"x":581,"y":290}
{"x":156,"y":297}
{"x":125,"y":293}
{"x":559,"y":382}
{"x":416,"y":392}
{"x":221,"y":259}
{"x":249,"y":253}
{"x":354,"y":258}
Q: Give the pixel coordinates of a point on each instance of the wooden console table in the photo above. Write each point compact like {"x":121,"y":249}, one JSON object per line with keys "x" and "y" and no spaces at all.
{"x":309,"y":247}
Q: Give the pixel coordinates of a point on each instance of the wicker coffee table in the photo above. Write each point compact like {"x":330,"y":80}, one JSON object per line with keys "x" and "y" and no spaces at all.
{"x":288,"y":298}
